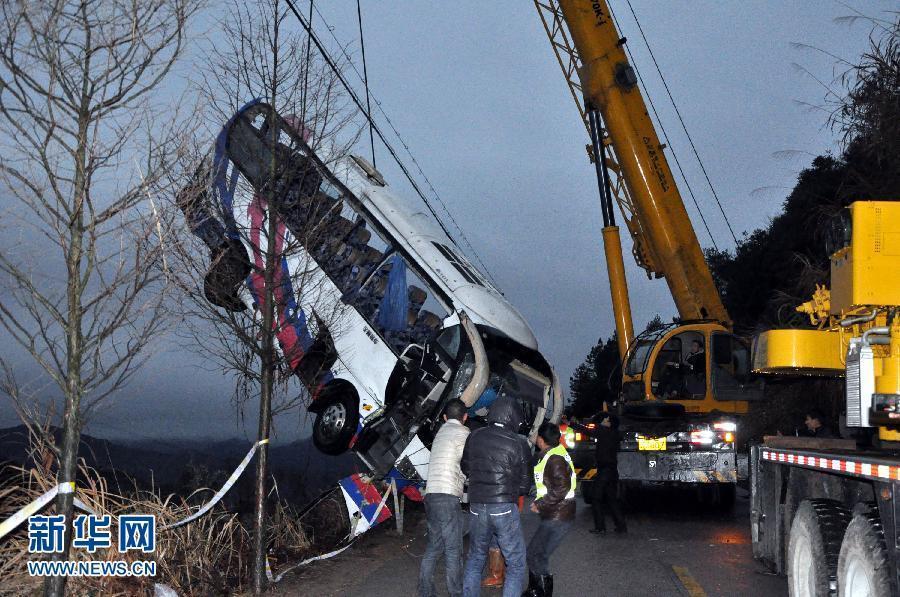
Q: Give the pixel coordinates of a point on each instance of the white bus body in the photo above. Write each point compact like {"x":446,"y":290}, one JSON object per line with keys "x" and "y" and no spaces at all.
{"x":383,"y":322}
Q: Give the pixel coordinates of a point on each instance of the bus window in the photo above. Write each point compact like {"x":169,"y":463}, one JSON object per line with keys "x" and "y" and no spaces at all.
{"x":424,"y":314}
{"x":396,"y":300}
{"x":346,"y":248}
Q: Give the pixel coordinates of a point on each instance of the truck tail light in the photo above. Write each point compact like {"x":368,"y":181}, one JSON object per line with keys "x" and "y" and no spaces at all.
{"x":725,"y":426}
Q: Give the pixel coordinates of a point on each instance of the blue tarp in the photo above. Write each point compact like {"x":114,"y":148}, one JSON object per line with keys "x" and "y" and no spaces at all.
{"x":394,"y":306}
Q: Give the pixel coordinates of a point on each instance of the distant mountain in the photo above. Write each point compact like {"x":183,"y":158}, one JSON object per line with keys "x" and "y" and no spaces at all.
{"x":301,"y":472}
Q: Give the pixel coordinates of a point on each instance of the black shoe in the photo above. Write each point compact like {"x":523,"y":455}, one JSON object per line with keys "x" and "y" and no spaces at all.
{"x":598,"y":531}
{"x":621,"y":530}
{"x":535,"y":585}
{"x":547,"y":581}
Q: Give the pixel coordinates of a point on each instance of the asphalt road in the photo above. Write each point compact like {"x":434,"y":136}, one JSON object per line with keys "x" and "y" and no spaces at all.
{"x":674,"y":546}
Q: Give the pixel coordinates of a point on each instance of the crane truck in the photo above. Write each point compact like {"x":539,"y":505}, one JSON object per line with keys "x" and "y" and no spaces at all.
{"x":824,"y":511}
{"x":683,"y":387}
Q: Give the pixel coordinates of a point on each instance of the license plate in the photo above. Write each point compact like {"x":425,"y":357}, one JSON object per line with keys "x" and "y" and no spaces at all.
{"x":650,"y":443}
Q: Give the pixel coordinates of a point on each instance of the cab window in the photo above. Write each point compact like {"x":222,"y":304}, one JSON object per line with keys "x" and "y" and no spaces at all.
{"x":730,"y":374}
{"x":679,"y":372}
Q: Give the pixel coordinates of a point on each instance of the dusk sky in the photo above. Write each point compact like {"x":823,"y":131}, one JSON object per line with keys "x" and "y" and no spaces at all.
{"x":476,"y":92}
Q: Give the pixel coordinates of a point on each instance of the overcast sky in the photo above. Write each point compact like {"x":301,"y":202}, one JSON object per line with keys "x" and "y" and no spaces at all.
{"x":477,"y":94}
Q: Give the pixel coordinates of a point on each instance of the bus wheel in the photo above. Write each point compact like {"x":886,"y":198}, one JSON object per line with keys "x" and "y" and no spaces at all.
{"x":335,"y":424}
{"x":813,"y":548}
{"x":863,"y":561}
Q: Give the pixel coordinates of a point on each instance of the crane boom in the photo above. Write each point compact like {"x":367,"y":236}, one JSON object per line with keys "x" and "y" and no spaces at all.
{"x":587,"y":44}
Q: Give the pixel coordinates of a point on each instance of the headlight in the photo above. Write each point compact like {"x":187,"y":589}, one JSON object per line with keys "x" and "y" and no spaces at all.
{"x":703,"y":437}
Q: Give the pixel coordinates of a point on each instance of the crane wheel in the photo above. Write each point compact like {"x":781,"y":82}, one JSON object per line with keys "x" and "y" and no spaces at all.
{"x":863,"y":565}
{"x":813,"y":548}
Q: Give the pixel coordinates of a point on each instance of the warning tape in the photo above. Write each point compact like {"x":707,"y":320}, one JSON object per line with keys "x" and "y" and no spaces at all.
{"x":22,"y":515}
{"x":221,"y":493}
{"x":8,"y":525}
{"x":274,"y":579}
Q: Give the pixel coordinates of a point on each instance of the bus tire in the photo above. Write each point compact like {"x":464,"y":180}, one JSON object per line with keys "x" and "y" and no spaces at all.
{"x":863,"y":565}
{"x":336,"y":423}
{"x":813,"y":548}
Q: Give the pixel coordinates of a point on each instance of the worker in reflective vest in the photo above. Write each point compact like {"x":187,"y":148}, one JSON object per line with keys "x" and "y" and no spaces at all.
{"x":554,"y":478}
{"x":567,"y":435}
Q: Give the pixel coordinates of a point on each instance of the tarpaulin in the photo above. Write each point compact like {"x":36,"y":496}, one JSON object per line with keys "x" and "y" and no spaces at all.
{"x":394,"y":306}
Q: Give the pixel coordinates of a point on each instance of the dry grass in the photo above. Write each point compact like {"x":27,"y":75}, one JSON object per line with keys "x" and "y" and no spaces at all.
{"x":209,"y":556}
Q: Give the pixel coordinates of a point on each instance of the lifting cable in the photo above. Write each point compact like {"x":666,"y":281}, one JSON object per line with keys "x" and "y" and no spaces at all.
{"x":683,"y":126}
{"x":662,"y":128}
{"x":374,"y":127}
{"x":362,"y":43}
{"x":411,"y":156}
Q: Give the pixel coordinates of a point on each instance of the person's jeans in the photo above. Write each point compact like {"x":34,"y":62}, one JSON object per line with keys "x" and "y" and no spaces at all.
{"x":546,"y":539}
{"x":445,"y":534}
{"x":487,"y":521}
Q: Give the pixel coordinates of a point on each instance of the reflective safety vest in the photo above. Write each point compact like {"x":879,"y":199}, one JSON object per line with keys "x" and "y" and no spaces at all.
{"x":559,"y":450}
{"x":567,"y":438}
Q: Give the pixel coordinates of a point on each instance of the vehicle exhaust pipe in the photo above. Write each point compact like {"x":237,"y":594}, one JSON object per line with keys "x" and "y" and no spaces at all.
{"x":479,"y":379}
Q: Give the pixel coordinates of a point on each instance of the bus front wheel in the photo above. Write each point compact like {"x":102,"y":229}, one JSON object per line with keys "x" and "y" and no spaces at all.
{"x":335,"y":424}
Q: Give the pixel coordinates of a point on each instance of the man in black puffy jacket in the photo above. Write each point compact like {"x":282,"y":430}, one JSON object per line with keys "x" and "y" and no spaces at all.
{"x":497,"y":462}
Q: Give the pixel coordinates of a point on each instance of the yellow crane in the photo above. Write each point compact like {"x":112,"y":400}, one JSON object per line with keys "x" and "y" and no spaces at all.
{"x":823,"y":510}
{"x":634,"y":174}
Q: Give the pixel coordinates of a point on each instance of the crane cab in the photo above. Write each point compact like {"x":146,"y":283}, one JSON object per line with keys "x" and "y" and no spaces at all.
{"x":701,"y":366}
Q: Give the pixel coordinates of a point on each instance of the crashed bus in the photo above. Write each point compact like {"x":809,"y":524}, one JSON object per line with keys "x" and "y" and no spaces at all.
{"x":390,"y":320}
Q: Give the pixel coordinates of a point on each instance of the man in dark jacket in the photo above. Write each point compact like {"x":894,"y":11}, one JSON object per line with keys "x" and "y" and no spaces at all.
{"x":815,"y":425}
{"x":554,"y":477}
{"x":497,"y":462}
{"x":606,"y":483}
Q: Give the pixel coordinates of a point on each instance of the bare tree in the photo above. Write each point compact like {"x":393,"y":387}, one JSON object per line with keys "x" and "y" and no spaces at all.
{"x":259,"y":206}
{"x":85,"y":147}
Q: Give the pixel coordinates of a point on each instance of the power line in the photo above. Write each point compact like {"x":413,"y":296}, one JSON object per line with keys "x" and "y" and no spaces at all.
{"x":409,"y":153}
{"x":683,"y":126}
{"x":362,"y":43}
{"x":662,"y":128}
{"x":327,"y":57}
{"x":306,"y":69}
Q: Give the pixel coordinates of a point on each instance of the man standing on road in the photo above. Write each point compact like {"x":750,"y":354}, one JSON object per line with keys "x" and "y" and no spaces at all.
{"x":606,"y":483}
{"x":497,"y":461}
{"x":554,"y":478}
{"x":442,"y":508}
